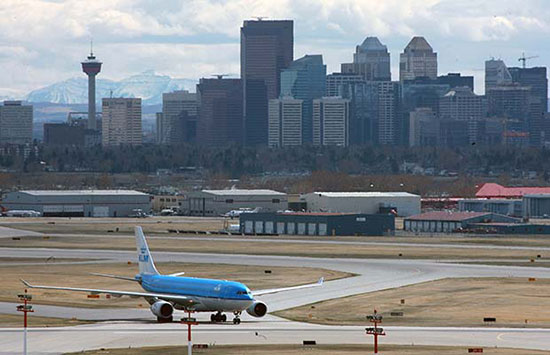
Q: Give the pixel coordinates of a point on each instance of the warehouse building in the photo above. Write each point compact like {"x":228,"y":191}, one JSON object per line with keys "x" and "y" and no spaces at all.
{"x":79,"y":203}
{"x":402,"y":203}
{"x":448,"y":222}
{"x":219,"y":202}
{"x":536,"y":206}
{"x":317,"y":224}
{"x":508,"y":207}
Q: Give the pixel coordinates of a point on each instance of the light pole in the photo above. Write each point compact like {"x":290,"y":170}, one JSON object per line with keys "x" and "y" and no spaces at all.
{"x":189,"y":321}
{"x":25,"y":308}
{"x":375,"y":319}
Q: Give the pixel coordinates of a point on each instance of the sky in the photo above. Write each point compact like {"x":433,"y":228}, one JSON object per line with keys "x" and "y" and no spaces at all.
{"x":44,"y":41}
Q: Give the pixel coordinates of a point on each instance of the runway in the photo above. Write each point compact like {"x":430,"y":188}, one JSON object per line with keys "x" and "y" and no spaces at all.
{"x":373,"y":275}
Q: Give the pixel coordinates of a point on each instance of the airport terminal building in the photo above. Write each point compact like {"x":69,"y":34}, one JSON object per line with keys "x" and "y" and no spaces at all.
{"x":79,"y":203}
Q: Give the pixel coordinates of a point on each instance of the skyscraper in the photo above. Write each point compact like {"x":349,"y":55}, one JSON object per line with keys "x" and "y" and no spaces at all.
{"x":121,"y":121}
{"x":91,"y":66}
{"x":535,"y":78}
{"x":220,"y":113}
{"x":390,"y":123}
{"x":267,"y":47}
{"x":461,"y":104}
{"x":16,"y":123}
{"x":176,"y":123}
{"x":363,"y":117}
{"x":496,"y":73}
{"x":305,"y":80}
{"x":371,"y":60}
{"x":417,"y":60}
{"x":336,"y":81}
{"x":331,"y":121}
{"x":285,"y":122}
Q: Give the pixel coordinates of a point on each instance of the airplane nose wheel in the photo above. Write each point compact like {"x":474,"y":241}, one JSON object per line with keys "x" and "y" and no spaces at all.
{"x":237,"y":320}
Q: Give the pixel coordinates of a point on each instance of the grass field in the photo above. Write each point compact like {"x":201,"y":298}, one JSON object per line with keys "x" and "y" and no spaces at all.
{"x":320,"y":349}
{"x":15,"y":321}
{"x":78,"y":276}
{"x":514,"y":302}
{"x":274,"y":248}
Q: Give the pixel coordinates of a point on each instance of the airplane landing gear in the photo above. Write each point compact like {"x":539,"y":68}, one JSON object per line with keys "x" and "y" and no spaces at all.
{"x":165,"y":320}
{"x":237,"y":319}
{"x":218,"y":318}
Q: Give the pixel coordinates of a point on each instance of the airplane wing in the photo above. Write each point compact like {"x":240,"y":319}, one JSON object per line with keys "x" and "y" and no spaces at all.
{"x":167,"y":297}
{"x":275,"y":290}
{"x":115,"y":276}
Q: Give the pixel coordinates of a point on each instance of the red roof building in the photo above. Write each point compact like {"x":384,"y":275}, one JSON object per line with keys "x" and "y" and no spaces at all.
{"x":492,"y":190}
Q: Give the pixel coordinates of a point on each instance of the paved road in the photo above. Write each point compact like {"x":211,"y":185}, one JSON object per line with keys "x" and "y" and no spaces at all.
{"x":270,"y":330}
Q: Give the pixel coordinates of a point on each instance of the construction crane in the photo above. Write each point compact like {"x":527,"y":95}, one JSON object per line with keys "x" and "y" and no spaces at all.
{"x":220,"y":76}
{"x":259,"y":18}
{"x":524,"y":59}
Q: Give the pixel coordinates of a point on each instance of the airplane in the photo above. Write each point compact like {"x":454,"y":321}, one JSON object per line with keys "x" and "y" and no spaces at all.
{"x":22,"y":213}
{"x":168,"y":292}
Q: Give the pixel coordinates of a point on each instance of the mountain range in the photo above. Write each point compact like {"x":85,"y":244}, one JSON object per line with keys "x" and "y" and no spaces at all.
{"x":148,"y":86}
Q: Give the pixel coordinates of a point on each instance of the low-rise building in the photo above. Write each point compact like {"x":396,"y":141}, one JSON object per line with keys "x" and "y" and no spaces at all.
{"x":536,"y":206}
{"x":326,"y":224}
{"x":79,"y":203}
{"x":448,"y":222}
{"x":219,"y":202}
{"x":402,"y":203}
{"x":508,"y":207}
{"x":162,"y":202}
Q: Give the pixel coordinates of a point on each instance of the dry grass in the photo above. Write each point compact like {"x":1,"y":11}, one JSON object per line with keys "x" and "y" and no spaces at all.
{"x":14,"y":321}
{"x":102,"y":225}
{"x":78,"y":276}
{"x":274,"y":248}
{"x":448,"y":302}
{"x":320,"y":349}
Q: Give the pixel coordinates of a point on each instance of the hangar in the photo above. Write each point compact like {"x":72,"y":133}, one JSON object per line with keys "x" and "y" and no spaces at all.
{"x":79,"y":203}
{"x":322,"y":223}
{"x":219,"y":202}
{"x":448,"y":222}
{"x":403,"y":203}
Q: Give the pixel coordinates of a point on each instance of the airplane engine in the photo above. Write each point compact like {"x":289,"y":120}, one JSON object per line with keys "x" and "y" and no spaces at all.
{"x":162,"y":309}
{"x":257,"y":309}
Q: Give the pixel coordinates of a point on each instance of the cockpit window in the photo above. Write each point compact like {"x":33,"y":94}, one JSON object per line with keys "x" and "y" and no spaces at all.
{"x":242,"y":292}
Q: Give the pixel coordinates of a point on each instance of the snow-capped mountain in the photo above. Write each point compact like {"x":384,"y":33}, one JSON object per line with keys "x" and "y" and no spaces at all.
{"x":148,"y":86}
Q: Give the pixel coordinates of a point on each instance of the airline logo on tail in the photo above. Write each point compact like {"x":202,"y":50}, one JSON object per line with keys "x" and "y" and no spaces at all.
{"x":143,"y":255}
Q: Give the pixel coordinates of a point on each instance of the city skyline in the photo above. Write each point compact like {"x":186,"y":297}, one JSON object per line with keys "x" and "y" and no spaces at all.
{"x":202,"y":38}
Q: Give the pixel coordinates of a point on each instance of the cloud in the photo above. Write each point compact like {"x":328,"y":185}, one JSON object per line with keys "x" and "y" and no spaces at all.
{"x":44,"y":41}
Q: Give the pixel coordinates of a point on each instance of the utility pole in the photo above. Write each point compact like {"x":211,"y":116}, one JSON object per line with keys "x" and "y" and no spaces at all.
{"x":25,"y":308}
{"x":375,"y":319}
{"x":189,"y":321}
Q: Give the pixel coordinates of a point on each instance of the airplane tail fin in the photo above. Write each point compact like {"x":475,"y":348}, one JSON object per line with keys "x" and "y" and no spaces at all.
{"x":145,"y":260}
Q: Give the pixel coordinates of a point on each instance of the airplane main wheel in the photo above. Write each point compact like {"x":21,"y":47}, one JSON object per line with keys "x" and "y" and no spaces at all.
{"x":236,"y":320}
{"x":165,"y":320}
{"x":212,"y":318}
{"x":224,"y":318}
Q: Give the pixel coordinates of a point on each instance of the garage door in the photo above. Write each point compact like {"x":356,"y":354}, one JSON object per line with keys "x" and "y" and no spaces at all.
{"x":100,"y":211}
